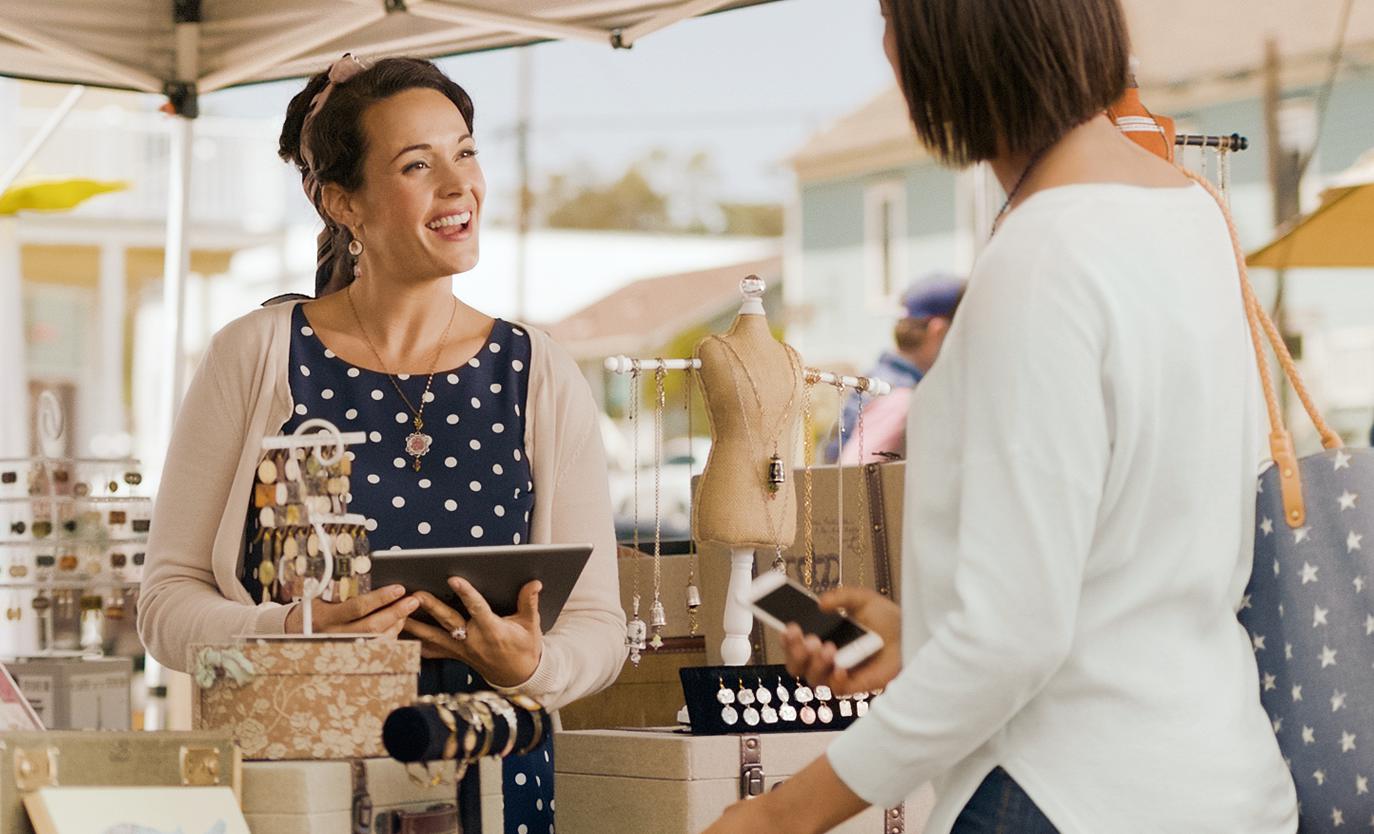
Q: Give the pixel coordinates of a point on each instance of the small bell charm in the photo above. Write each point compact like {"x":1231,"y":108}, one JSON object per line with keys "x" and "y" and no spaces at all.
{"x":658,"y":618}
{"x":777,"y":476}
{"x":693,"y":606}
{"x":636,"y":634}
{"x":636,"y":637}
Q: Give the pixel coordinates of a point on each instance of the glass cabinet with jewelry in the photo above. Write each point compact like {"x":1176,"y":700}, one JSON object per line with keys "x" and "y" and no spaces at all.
{"x":73,"y":532}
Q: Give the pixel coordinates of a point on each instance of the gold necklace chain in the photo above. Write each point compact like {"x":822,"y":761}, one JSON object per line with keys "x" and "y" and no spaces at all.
{"x":693,"y":592}
{"x":808,"y":454}
{"x":658,"y":616}
{"x":417,"y":443}
{"x":794,"y":364}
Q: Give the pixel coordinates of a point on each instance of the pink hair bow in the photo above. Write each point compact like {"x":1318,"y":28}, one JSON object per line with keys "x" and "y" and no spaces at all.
{"x":340,"y":72}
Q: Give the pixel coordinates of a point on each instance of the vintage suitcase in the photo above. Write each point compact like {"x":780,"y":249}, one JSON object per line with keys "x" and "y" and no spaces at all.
{"x":361,"y":795}
{"x":866,"y":505}
{"x":303,"y":699}
{"x":662,"y":782}
{"x":33,"y":760}
{"x":649,"y":695}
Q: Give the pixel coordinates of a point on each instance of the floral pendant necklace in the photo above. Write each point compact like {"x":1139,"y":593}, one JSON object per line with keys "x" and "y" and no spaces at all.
{"x":417,"y":442}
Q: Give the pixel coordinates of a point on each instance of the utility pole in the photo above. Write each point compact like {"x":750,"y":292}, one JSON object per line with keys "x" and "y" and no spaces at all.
{"x":1284,"y":176}
{"x":524,"y":82}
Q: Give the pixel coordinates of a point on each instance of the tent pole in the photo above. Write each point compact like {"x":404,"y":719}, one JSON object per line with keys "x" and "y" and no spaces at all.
{"x":163,"y":710}
{"x":176,"y":254}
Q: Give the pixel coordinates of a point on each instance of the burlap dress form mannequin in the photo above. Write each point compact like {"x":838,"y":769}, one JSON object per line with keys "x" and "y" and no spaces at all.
{"x":734,"y":505}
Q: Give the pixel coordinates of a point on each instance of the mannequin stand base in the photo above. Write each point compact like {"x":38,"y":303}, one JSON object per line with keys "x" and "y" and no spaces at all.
{"x":735,"y":649}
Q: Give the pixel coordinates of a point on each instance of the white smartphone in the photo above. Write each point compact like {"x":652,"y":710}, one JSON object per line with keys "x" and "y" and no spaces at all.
{"x":777,"y":601}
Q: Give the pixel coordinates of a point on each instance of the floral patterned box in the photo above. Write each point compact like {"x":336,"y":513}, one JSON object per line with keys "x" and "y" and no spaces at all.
{"x":303,"y":698}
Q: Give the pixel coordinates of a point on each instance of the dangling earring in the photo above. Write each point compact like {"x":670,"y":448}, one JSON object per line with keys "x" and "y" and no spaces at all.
{"x":355,"y":248}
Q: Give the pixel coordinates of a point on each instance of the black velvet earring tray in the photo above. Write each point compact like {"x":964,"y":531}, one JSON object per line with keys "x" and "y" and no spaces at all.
{"x":702,"y":685}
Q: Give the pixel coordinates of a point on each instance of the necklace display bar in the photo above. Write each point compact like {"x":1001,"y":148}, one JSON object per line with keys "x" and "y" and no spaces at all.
{"x":628,"y":365}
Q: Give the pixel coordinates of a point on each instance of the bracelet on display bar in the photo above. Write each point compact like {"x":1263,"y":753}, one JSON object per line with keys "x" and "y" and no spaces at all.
{"x":504,"y":710}
{"x":464,"y":728}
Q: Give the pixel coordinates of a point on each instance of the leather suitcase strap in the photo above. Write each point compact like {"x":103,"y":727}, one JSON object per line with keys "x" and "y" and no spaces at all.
{"x":362,"y":800}
{"x":877,"y":530}
{"x":440,"y":819}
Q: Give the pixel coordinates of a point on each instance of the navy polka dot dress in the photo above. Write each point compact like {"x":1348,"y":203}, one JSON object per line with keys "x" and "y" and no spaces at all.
{"x":474,"y":486}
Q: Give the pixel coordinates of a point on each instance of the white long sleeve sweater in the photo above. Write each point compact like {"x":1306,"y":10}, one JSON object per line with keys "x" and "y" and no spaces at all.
{"x":1078,"y":512}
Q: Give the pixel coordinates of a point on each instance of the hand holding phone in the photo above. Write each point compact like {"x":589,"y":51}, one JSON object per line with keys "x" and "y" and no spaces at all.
{"x":778,"y":601}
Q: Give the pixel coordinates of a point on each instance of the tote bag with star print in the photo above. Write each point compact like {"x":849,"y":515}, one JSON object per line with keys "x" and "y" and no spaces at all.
{"x":1309,"y":608}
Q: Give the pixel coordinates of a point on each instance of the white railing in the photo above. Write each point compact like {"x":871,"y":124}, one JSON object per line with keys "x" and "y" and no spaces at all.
{"x":237,"y":178}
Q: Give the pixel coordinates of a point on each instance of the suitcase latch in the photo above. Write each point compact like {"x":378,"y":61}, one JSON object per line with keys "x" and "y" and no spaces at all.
{"x":35,"y":768}
{"x":750,"y":767}
{"x":199,"y":766}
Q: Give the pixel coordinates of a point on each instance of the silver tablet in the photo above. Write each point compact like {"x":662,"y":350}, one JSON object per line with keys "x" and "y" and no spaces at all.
{"x":498,"y":574}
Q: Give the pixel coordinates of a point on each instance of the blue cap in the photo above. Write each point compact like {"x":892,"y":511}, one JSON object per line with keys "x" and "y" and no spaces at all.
{"x":934,"y":296}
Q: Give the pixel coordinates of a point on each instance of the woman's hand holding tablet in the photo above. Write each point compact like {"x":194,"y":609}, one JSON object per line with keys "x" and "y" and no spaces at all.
{"x":382,"y":611}
{"x":503,"y":650}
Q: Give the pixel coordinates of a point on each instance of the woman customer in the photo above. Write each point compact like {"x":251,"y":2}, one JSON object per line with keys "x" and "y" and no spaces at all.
{"x":388,"y":158}
{"x":1067,"y":655}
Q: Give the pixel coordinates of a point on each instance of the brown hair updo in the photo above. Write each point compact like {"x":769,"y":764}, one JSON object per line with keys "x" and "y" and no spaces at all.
{"x":336,"y":143}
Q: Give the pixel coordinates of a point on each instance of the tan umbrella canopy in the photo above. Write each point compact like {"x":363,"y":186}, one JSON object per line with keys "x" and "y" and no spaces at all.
{"x":198,"y":46}
{"x":1340,"y":233}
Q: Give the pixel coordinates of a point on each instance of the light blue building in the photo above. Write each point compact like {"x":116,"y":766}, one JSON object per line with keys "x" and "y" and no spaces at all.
{"x":874,"y":211}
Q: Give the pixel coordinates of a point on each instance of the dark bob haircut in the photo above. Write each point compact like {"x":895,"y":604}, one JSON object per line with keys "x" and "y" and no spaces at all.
{"x":336,"y":143}
{"x":1006,"y":76}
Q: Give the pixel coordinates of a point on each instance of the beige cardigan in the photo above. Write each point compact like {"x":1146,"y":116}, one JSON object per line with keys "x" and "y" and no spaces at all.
{"x":191,"y":589}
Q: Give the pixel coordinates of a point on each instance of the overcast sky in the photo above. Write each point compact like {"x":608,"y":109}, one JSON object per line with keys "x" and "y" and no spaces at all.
{"x":748,"y":86}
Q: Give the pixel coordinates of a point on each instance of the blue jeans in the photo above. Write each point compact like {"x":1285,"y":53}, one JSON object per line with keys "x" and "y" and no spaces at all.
{"x":999,"y":806}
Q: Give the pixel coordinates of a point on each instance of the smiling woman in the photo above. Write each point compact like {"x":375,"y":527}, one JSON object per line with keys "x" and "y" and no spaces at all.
{"x":370,"y":141}
{"x":480,"y":431}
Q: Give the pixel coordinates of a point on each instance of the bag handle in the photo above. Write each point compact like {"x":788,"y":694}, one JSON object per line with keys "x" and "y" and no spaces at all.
{"x":1262,"y":328}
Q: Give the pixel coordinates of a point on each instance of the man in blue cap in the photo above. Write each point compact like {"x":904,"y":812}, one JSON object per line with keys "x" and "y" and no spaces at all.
{"x":929,"y":304}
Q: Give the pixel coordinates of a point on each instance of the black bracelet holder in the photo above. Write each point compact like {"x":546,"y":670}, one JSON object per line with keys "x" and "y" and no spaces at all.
{"x":701,"y":686}
{"x":417,"y":734}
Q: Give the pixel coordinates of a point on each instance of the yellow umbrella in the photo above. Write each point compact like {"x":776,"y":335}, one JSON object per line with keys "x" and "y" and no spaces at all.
{"x":56,"y":195}
{"x":1338,"y":234}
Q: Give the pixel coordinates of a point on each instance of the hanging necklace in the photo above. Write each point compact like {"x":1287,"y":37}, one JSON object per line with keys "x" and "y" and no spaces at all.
{"x":1016,"y":189}
{"x":808,"y":480}
{"x":636,"y":630}
{"x":658,"y":616}
{"x":775,"y":473}
{"x":417,"y":442}
{"x":693,"y":592}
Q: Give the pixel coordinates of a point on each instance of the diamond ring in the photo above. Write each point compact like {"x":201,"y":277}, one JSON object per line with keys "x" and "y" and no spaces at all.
{"x":459,"y":633}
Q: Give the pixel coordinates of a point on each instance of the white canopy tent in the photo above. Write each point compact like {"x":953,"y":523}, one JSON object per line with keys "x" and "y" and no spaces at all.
{"x":186,"y":48}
